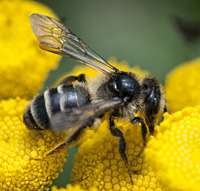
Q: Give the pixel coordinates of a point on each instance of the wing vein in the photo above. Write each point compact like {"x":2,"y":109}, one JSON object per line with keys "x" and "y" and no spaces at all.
{"x":56,"y":38}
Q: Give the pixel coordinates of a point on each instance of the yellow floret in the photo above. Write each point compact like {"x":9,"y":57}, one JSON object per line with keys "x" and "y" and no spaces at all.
{"x":98,"y":162}
{"x":18,"y":144}
{"x":174,"y":152}
{"x":72,"y":188}
{"x":23,"y":65}
{"x":183,"y":87}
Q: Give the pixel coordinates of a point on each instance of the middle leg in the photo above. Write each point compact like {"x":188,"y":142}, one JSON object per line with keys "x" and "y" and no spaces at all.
{"x":122,"y":144}
{"x":138,"y":120}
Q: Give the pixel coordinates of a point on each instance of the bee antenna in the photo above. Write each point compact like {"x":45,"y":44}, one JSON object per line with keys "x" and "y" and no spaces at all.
{"x":129,"y":172}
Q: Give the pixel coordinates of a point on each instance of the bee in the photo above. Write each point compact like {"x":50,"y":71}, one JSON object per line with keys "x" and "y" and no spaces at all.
{"x":76,"y":104}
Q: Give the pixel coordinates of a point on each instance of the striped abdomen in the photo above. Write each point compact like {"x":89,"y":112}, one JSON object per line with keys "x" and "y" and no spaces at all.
{"x":42,"y":107}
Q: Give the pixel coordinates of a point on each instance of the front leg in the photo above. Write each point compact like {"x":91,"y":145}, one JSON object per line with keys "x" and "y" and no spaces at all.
{"x":122,"y":143}
{"x":135,"y":121}
{"x":165,"y":110}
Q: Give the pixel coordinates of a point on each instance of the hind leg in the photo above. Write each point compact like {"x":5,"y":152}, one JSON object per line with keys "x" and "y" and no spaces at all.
{"x":137,"y":120}
{"x":74,"y":135}
{"x":122,"y":144}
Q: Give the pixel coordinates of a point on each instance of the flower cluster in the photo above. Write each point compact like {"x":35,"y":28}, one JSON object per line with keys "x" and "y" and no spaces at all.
{"x":170,"y":161}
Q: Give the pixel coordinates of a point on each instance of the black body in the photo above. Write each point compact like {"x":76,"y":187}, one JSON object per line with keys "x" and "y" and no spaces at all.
{"x":76,"y":106}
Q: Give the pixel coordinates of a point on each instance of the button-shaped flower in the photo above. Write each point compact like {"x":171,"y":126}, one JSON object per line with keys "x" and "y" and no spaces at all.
{"x":174,"y":152}
{"x":23,"y":65}
{"x":18,"y":145}
{"x":183,"y":86}
{"x":98,"y":162}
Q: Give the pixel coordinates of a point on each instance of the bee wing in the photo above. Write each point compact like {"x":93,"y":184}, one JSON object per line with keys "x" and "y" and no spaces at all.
{"x":56,"y":38}
{"x":82,"y":116}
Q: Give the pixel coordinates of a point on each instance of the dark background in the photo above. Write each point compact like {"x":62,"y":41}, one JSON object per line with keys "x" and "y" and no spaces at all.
{"x":156,"y":35}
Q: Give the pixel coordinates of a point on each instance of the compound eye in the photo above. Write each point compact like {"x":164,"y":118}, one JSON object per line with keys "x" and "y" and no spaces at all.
{"x":153,"y":102}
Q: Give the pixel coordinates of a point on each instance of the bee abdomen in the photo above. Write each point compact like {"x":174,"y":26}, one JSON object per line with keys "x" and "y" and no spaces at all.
{"x":53,"y":100}
{"x":28,"y":119}
{"x":68,"y":97}
{"x":36,"y":116}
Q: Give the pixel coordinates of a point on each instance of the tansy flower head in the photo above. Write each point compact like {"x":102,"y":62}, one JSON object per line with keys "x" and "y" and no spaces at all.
{"x":18,"y":144}
{"x":23,"y":65}
{"x":183,"y":87}
{"x":98,"y":162}
{"x":174,"y":152}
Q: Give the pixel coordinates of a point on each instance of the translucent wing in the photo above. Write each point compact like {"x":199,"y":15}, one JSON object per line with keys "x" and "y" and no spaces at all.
{"x":56,"y":38}
{"x":83,"y":116}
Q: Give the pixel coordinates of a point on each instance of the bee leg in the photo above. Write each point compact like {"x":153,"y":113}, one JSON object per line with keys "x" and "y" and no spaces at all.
{"x":122,"y":144}
{"x":71,"y":79}
{"x":50,"y":152}
{"x":164,"y":111}
{"x":137,"y":120}
{"x":73,"y":136}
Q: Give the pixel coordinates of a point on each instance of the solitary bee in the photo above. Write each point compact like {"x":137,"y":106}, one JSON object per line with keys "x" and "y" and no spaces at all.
{"x":76,"y":105}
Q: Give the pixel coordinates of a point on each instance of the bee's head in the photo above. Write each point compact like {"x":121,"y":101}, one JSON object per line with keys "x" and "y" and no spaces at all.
{"x":154,"y":101}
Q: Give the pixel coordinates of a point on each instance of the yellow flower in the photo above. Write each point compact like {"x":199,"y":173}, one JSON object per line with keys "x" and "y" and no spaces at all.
{"x":183,"y":87}
{"x":174,"y":152}
{"x":98,"y":162}
{"x":23,"y":65}
{"x":23,"y":68}
{"x":18,"y":144}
